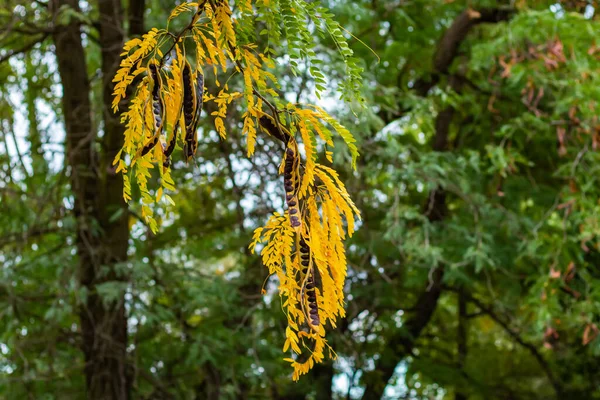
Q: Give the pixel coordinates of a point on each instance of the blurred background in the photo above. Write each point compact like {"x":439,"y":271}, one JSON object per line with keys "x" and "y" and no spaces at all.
{"x":473,"y":275}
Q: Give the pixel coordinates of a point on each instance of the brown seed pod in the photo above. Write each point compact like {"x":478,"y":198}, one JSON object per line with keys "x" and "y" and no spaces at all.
{"x":149,"y":146}
{"x":191,"y":138}
{"x":270,"y":126}
{"x":308,"y":287}
{"x":189,"y":111}
{"x":290,"y":184}
{"x":199,"y":98}
{"x":168,"y":149}
{"x":158,"y":111}
{"x":158,"y":108}
{"x":189,"y":94}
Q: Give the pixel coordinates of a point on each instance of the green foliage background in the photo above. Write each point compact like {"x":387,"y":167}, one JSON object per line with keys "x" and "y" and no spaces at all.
{"x":513,"y":250}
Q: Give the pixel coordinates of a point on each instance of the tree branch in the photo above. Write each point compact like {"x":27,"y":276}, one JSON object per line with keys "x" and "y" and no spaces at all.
{"x":25,"y":48}
{"x":402,"y":342}
{"x":448,"y":46}
{"x":502,"y":322}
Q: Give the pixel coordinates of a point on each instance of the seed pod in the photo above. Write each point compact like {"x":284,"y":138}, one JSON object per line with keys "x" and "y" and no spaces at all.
{"x":199,"y":98}
{"x":290,"y":184}
{"x":158,"y":109}
{"x":189,"y":111}
{"x":149,"y":146}
{"x":308,"y":287}
{"x":189,"y":94}
{"x":168,"y":149}
{"x":270,"y":126}
{"x":191,"y":138}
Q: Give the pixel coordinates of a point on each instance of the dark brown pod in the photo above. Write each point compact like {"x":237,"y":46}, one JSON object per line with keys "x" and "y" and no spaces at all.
{"x":158,"y":109}
{"x":199,"y":100}
{"x":189,"y":93}
{"x":149,"y":146}
{"x":189,"y":112}
{"x":308,"y":287}
{"x":270,"y":126}
{"x":168,"y":149}
{"x":290,"y":178}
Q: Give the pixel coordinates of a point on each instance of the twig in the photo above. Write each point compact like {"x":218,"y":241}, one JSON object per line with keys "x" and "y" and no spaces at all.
{"x":182,"y":32}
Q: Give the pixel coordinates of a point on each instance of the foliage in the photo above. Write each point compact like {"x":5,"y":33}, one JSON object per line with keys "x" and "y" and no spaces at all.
{"x":316,"y":197}
{"x":512,"y":253}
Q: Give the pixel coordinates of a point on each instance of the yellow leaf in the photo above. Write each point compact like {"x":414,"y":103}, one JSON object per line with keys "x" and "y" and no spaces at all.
{"x":169,"y":199}
{"x":117,"y":157}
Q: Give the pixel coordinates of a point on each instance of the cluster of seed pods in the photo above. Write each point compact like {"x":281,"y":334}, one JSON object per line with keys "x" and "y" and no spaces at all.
{"x":191,"y":106}
{"x":290,"y":183}
{"x":309,"y":285}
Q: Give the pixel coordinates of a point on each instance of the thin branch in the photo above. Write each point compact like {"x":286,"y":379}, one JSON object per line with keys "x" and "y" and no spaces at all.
{"x":25,"y":48}
{"x":183,"y":32}
{"x":24,"y":236}
{"x":489,"y":311}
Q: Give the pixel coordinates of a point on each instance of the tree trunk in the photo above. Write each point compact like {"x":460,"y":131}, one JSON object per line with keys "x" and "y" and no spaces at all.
{"x":323,"y":378}
{"x":402,"y":342}
{"x":101,"y":243}
{"x":461,"y":344}
{"x":113,"y":210}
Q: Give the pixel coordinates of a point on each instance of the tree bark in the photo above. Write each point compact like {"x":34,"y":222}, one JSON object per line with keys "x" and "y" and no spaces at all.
{"x":136,"y":17}
{"x":402,"y":343}
{"x":323,"y":379}
{"x":102,"y":231}
{"x":113,"y":210}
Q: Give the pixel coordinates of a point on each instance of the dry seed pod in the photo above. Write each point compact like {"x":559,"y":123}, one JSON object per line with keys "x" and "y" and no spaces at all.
{"x":191,"y":138}
{"x":189,"y":112}
{"x":199,"y":98}
{"x":189,"y":94}
{"x":168,"y":148}
{"x":270,"y":126}
{"x":290,"y":184}
{"x":308,"y":286}
{"x":149,"y":146}
{"x":158,"y":109}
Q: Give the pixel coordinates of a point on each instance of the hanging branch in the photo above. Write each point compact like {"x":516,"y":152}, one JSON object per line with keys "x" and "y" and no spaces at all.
{"x":303,"y":246}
